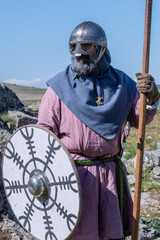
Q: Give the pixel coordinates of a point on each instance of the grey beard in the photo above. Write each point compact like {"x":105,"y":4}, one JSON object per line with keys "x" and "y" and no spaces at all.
{"x":84,"y":68}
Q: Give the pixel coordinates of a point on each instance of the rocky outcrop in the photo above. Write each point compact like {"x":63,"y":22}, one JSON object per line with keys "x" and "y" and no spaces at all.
{"x":32,"y":110}
{"x":8,"y":99}
{"x":20,"y":115}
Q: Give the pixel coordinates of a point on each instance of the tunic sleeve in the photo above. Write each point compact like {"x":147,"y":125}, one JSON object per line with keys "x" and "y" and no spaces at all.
{"x":49,"y":111}
{"x":133,"y":116}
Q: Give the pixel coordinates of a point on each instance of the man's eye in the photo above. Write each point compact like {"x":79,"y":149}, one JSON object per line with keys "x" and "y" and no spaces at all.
{"x":72,"y":46}
{"x":86,"y":46}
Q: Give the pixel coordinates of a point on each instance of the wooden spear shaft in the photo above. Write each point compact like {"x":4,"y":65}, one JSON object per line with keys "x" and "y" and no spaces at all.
{"x":142,"y":120}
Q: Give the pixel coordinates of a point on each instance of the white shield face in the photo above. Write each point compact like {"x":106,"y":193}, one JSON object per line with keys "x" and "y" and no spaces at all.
{"x":41,"y":183}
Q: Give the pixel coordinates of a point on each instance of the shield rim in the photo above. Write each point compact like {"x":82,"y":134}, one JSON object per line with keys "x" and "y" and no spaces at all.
{"x":71,"y":162}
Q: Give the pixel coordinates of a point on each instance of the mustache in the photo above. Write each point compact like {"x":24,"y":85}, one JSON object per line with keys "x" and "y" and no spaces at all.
{"x":83,"y":57}
{"x":84,"y":66}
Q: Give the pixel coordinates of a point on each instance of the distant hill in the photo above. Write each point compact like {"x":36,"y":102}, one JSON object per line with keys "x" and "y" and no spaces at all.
{"x":27,"y":95}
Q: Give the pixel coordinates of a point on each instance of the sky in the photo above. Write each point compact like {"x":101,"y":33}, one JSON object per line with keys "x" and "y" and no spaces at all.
{"x":34,"y":36}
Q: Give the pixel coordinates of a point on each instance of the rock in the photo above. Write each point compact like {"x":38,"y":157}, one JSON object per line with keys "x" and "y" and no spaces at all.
{"x":4,"y":134}
{"x":152,"y":157}
{"x":3,"y":125}
{"x":21,"y":118}
{"x":16,"y":231}
{"x":131,"y":179}
{"x":156,"y":173}
{"x":148,"y":166}
{"x":151,"y":233}
{"x":145,"y":233}
{"x":158,"y":145}
{"x":130,"y":165}
{"x":8,"y":99}
{"x":32,"y":110}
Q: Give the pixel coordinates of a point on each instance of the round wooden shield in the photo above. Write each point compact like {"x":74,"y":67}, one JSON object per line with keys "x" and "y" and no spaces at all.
{"x":41,"y":183}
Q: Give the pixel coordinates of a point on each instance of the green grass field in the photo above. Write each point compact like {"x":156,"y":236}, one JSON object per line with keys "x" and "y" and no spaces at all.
{"x":152,"y":137}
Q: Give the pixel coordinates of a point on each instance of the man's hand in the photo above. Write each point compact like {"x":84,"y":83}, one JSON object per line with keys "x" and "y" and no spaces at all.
{"x":147,"y":86}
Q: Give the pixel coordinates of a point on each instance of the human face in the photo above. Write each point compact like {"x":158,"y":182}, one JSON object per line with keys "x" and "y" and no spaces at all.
{"x":85,"y":64}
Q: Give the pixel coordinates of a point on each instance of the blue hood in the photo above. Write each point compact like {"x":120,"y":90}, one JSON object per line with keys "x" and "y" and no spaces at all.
{"x":79,"y":94}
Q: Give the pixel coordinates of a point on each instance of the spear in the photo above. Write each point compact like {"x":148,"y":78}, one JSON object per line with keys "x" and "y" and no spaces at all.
{"x":142,"y":120}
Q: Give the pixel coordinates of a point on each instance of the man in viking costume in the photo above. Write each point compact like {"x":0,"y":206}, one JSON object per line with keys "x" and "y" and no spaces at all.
{"x":87,"y":106}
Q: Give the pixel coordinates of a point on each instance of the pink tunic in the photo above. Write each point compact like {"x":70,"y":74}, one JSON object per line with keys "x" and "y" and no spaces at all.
{"x":100,"y":219}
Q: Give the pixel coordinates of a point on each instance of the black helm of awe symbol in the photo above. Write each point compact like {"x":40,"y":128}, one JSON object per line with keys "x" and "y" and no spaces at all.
{"x":85,"y":37}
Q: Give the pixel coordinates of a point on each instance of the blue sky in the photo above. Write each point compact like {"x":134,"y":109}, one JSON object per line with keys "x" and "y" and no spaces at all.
{"x":34,"y":36}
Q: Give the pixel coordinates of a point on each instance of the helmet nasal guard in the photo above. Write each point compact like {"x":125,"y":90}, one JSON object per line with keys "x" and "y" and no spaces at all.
{"x":85,"y":37}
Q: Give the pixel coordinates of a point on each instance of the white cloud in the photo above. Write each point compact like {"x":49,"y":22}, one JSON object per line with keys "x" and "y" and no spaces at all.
{"x":24,"y":82}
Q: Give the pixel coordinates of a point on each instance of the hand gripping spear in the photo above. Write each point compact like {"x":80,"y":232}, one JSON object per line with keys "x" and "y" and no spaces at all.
{"x":142,"y":120}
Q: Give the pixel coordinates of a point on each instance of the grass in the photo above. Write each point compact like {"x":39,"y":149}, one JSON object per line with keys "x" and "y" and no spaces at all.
{"x":148,"y":182}
{"x":152,"y":137}
{"x":5,"y":235}
{"x":30,"y":102}
{"x":147,"y":186}
{"x":6,"y":118}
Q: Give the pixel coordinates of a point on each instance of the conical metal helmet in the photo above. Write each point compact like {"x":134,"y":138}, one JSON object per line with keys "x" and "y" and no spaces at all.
{"x":88,"y":32}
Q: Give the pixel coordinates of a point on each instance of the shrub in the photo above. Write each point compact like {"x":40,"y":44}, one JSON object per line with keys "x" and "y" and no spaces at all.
{"x":6,"y":118}
{"x":155,"y":223}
